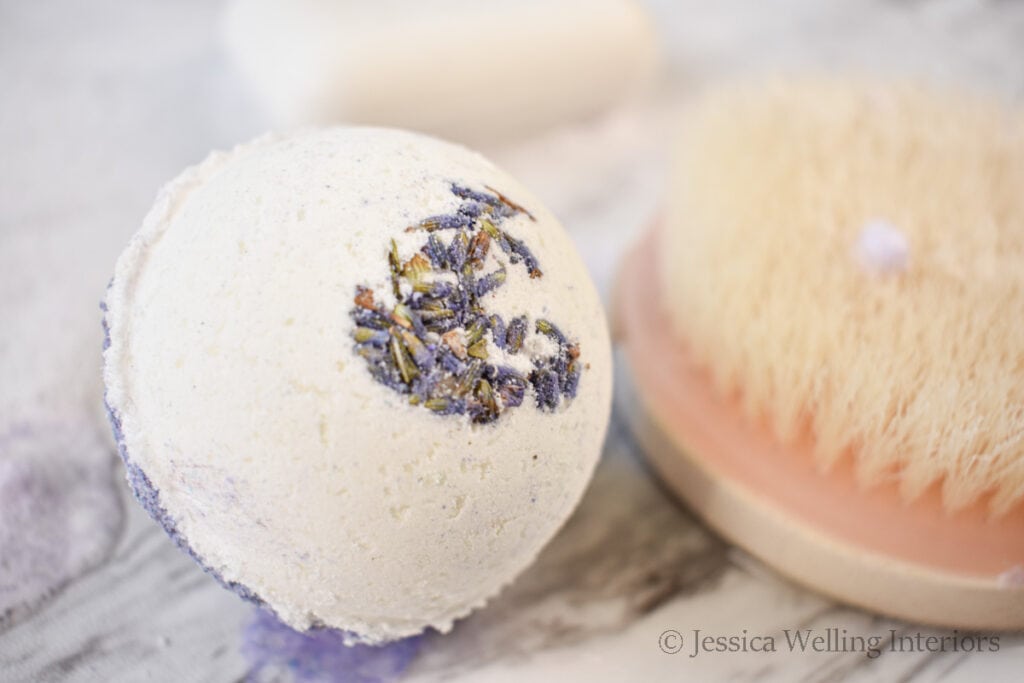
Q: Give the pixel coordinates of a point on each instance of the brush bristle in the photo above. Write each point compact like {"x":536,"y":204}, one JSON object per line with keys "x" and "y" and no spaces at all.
{"x":848,"y":260}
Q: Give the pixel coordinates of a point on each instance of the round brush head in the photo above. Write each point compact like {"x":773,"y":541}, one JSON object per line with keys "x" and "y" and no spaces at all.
{"x":836,"y":298}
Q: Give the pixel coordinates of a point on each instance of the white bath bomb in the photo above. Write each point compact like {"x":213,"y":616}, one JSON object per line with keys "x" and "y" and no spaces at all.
{"x":360,"y":374}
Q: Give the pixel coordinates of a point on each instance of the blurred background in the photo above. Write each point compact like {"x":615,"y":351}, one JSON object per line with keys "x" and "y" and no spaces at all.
{"x":103,"y":102}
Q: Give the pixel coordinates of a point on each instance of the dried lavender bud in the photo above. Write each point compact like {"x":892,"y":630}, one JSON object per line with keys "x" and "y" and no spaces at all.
{"x":364,"y":298}
{"x":421,"y":355}
{"x":478,"y":197}
{"x":440,"y":290}
{"x":521,"y":251}
{"x":400,"y":316}
{"x":475,"y":331}
{"x":548,"y":328}
{"x":458,"y":250}
{"x":432,"y":344}
{"x":470,"y":377}
{"x":516,"y":334}
{"x":472,"y":209}
{"x":450,"y":363}
{"x":512,"y":395}
{"x":509,"y":204}
{"x":370,"y":318}
{"x":497,"y":236}
{"x":444,"y":222}
{"x":478,"y":350}
{"x":572,"y":380}
{"x":497,"y":330}
{"x":373,"y":354}
{"x":404,"y":315}
{"x":446,"y":406}
{"x":415,"y":271}
{"x":546,"y":386}
{"x":503,"y":374}
{"x":485,"y":406}
{"x":435,"y":251}
{"x":396,"y":267}
{"x":490,"y":282}
{"x":453,"y":339}
{"x":404,"y":363}
{"x":369,"y":335}
{"x":478,"y":248}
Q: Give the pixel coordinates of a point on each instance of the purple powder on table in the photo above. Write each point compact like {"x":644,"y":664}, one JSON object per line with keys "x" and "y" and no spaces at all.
{"x":60,"y":513}
{"x":276,"y":651}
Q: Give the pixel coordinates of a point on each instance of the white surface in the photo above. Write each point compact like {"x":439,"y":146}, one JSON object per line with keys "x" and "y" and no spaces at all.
{"x":103,"y":102}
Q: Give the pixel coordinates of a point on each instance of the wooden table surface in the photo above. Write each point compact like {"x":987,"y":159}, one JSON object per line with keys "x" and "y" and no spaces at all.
{"x":101,"y":102}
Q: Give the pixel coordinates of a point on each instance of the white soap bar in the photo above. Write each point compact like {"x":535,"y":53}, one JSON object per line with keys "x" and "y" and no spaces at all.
{"x":462,"y":68}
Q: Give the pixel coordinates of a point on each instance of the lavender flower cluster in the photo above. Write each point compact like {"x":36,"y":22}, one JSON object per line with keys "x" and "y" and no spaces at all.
{"x":432,"y":344}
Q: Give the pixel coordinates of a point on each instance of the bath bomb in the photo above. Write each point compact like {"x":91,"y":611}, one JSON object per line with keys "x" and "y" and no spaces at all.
{"x":463,"y":68}
{"x":360,"y":374}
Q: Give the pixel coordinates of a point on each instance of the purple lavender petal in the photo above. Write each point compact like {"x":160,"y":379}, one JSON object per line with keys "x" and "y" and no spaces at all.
{"x":424,"y":357}
{"x":457,"y":252}
{"x":440,"y":290}
{"x":378,"y":338}
{"x":472,"y":209}
{"x":546,"y":327}
{"x":512,"y":395}
{"x":490,"y":282}
{"x":546,"y":386}
{"x":435,"y":251}
{"x":277,"y":652}
{"x":450,"y":363}
{"x":466,"y":193}
{"x":520,"y":250}
{"x":571,"y":381}
{"x":516,"y":333}
{"x":447,"y":406}
{"x":417,"y":323}
{"x":364,"y":317}
{"x":446,"y":222}
{"x":503,"y":374}
{"x":498,"y":331}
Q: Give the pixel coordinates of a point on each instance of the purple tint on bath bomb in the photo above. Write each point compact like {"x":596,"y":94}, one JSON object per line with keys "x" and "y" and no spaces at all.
{"x":320,"y":655}
{"x":60,"y":514}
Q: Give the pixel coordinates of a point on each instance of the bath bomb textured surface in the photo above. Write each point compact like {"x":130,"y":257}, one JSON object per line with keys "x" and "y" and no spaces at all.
{"x":364,"y":372}
{"x":847,"y":258}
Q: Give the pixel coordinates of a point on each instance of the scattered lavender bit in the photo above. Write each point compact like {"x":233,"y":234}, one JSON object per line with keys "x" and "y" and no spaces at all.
{"x":516,"y":334}
{"x":882,"y":248}
{"x":498,"y":331}
{"x":277,"y":652}
{"x":432,"y":345}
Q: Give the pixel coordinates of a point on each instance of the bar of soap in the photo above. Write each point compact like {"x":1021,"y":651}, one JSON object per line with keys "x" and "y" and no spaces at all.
{"x":465,"y":69}
{"x":361,"y":375}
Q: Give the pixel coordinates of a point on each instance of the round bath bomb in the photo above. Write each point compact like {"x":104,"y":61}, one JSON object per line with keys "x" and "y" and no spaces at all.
{"x":361,"y":375}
